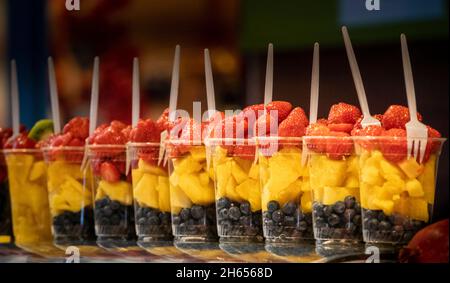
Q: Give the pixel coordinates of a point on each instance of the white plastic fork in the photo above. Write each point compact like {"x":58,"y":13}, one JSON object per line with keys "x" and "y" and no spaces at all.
{"x":416,"y":132}
{"x":367,"y":120}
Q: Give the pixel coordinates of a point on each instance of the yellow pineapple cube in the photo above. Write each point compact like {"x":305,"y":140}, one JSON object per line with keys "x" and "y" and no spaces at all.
{"x":136,"y":176}
{"x":197,"y":193}
{"x":38,"y":170}
{"x":186,"y":165}
{"x":306,"y":202}
{"x":418,"y":209}
{"x":411,"y":168}
{"x":414,"y":188}
{"x":326,"y":172}
{"x":428,"y":179}
{"x":254,"y":172}
{"x":119,"y":191}
{"x":394,"y":185}
{"x":283,"y":170}
{"x":237,"y":172}
{"x":331,"y":195}
{"x":231,"y":192}
{"x":386,"y":205}
{"x":254,"y":197}
{"x":387,"y":170}
{"x":351,"y":182}
{"x":198,"y":153}
{"x":163,"y":194}
{"x":145,"y":191}
{"x":145,"y":167}
{"x":371,"y":176}
{"x":305,"y":187}
{"x":222,"y":176}
{"x":178,"y":199}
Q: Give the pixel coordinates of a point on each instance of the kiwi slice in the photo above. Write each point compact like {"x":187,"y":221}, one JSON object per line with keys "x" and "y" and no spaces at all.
{"x":41,"y":130}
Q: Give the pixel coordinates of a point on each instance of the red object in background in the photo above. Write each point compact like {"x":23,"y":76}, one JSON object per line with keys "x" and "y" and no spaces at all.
{"x":429,"y":245}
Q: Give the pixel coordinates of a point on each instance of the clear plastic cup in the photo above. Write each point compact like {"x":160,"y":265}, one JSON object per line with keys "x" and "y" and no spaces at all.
{"x":237,"y":189}
{"x":191,"y":192}
{"x":5,"y":205}
{"x":286,"y":193}
{"x":397,"y":192}
{"x":334,"y":181}
{"x":29,"y":197}
{"x":151,"y":192}
{"x":113,"y":196}
{"x":70,"y":195}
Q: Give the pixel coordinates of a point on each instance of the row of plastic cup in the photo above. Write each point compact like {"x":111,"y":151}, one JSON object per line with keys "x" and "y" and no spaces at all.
{"x":348,"y":190}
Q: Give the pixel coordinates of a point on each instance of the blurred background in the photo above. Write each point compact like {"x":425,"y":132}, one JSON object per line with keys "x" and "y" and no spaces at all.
{"x":237,"y":34}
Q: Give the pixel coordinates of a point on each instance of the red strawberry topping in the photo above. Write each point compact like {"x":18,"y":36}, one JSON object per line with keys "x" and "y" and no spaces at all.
{"x":343,"y":113}
{"x":109,"y":172}
{"x":396,"y":116}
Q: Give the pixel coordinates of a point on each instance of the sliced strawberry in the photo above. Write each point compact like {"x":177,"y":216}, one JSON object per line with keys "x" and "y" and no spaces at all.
{"x":339,"y":146}
{"x":318,"y":145}
{"x":109,"y":172}
{"x":394,"y":147}
{"x":396,"y":116}
{"x":294,"y":125}
{"x":283,"y":109}
{"x":343,"y":113}
{"x":343,"y":127}
{"x":432,"y":146}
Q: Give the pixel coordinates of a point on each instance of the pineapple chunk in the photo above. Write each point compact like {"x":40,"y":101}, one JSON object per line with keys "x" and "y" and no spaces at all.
{"x":351,"y":182}
{"x":220,"y":155}
{"x":198,"y":153}
{"x":305,"y":187}
{"x":428,"y":179}
{"x":367,"y":194}
{"x":178,"y":199}
{"x":163,"y":194}
{"x":254,"y":197}
{"x":245,"y":164}
{"x":414,"y":188}
{"x":318,"y":194}
{"x":230,"y":191}
{"x":246,"y":188}
{"x":401,"y":205}
{"x":222,"y":176}
{"x":19,"y":166}
{"x":186,"y":165}
{"x":254,"y":172}
{"x":306,"y":202}
{"x":386,"y":205}
{"x":37,"y":198}
{"x":371,"y":176}
{"x":136,"y":176}
{"x":387,"y":170}
{"x":411,"y":168}
{"x":145,"y":191}
{"x":38,"y":170}
{"x":326,"y":172}
{"x":383,"y":193}
{"x":150,"y":169}
{"x":283,"y":170}
{"x":174,"y":179}
{"x":204,"y":178}
{"x":119,"y":191}
{"x":418,"y":209}
{"x":331,"y":195}
{"x":197,"y":193}
{"x":237,"y":172}
{"x":374,"y":159}
{"x":394,"y":185}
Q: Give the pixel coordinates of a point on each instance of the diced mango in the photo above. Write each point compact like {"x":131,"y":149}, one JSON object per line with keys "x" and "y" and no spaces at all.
{"x":19,"y":166}
{"x":283,"y":170}
{"x":223,"y":175}
{"x":411,"y":168}
{"x":305,"y":187}
{"x":230,"y":191}
{"x":198,"y":153}
{"x":383,"y":193}
{"x":374,"y":159}
{"x":414,"y":188}
{"x":204,"y":178}
{"x":220,"y":155}
{"x":246,"y":188}
{"x":254,"y":197}
{"x":351,"y":182}
{"x":136,"y":176}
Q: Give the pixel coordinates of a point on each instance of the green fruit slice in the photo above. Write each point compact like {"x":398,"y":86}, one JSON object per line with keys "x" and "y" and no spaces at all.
{"x":41,"y":130}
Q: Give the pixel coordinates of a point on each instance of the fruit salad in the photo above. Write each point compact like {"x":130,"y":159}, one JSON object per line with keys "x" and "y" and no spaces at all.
{"x":397,"y":190}
{"x":334,"y":176}
{"x":5,"y":206}
{"x":150,"y":181}
{"x":286,"y":194}
{"x":28,"y":187}
{"x":69,"y":188}
{"x":236,"y":175}
{"x":113,"y":192}
{"x":191,"y":184}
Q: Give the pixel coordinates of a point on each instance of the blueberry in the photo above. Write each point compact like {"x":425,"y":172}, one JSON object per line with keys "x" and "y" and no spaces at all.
{"x":223,"y":203}
{"x":104,"y":221}
{"x":290,"y":221}
{"x":115,"y":219}
{"x":371,"y":214}
{"x":318,"y":209}
{"x":339,"y":207}
{"x":245,"y":220}
{"x":234,"y":213}
{"x":154,"y":220}
{"x":245,"y":208}
{"x":115,"y":205}
{"x":384,"y":226}
{"x":327,"y":210}
{"x":372,"y":224}
{"x":151,"y":213}
{"x":185,"y":214}
{"x":357,"y":219}
{"x":268,"y":222}
{"x":272,"y":206}
{"x":407,"y":224}
{"x":267,"y":215}
{"x":381,"y":216}
{"x":197,"y":212}
{"x":334,"y":219}
{"x":223,"y":213}
{"x":190,"y":222}
{"x":319,"y":222}
{"x":300,"y":216}
{"x":277,"y":216}
{"x":407,"y":236}
{"x":226,"y":224}
{"x":107,"y":211}
{"x":211,"y":213}
{"x":350,"y":201}
{"x":357,"y":208}
{"x":176,"y":220}
{"x":350,"y":227}
{"x":164,"y":217}
{"x":349,"y":214}
{"x":103,"y":202}
{"x":308,"y":218}
{"x":289,"y":208}
{"x":302,"y":226}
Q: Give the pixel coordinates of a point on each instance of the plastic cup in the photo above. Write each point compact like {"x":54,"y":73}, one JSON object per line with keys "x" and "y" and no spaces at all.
{"x":29,"y":197}
{"x":334,"y":181}
{"x":286,"y":193}
{"x":151,"y":192}
{"x":237,"y":191}
{"x":70,"y":195}
{"x":5,"y":206}
{"x":397,"y":193}
{"x":113,"y":193}
{"x":191,"y":192}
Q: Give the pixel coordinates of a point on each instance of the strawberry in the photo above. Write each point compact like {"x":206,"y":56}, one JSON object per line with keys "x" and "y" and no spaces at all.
{"x":394,"y":148}
{"x":342,"y":127}
{"x":369,"y":131}
{"x":317,"y":145}
{"x":253,"y":111}
{"x":78,"y":127}
{"x":21,"y":141}
{"x":109,"y":172}
{"x":231,"y":127}
{"x":432,"y":146}
{"x":145,"y":131}
{"x":192,"y":131}
{"x":358,"y":126}
{"x":396,"y":116}
{"x":244,"y":151}
{"x":62,"y":140}
{"x":283,"y":109}
{"x":343,"y":113}
{"x":211,"y":124}
{"x":115,"y":133}
{"x":163,"y":121}
{"x":266,"y":125}
{"x":322,"y":121}
{"x":340,"y":146}
{"x":294,"y":125}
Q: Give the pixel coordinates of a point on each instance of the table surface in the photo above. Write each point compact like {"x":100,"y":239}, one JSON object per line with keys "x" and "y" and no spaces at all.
{"x":170,"y":252}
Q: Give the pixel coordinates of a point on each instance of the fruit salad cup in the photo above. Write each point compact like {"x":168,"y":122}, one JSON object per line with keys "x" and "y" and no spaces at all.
{"x":286,"y":193}
{"x":29,"y":197}
{"x":70,"y":195}
{"x":191,"y":192}
{"x":334,"y":181}
{"x":113,"y":192}
{"x":151,"y":192}
{"x":237,"y":191}
{"x":397,"y":193}
{"x":5,"y":207}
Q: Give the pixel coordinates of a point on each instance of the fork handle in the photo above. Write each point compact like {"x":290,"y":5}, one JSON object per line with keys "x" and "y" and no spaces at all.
{"x":409,"y":81}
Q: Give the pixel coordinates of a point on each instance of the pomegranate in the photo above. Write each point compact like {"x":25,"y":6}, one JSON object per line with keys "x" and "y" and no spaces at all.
{"x":429,"y":245}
